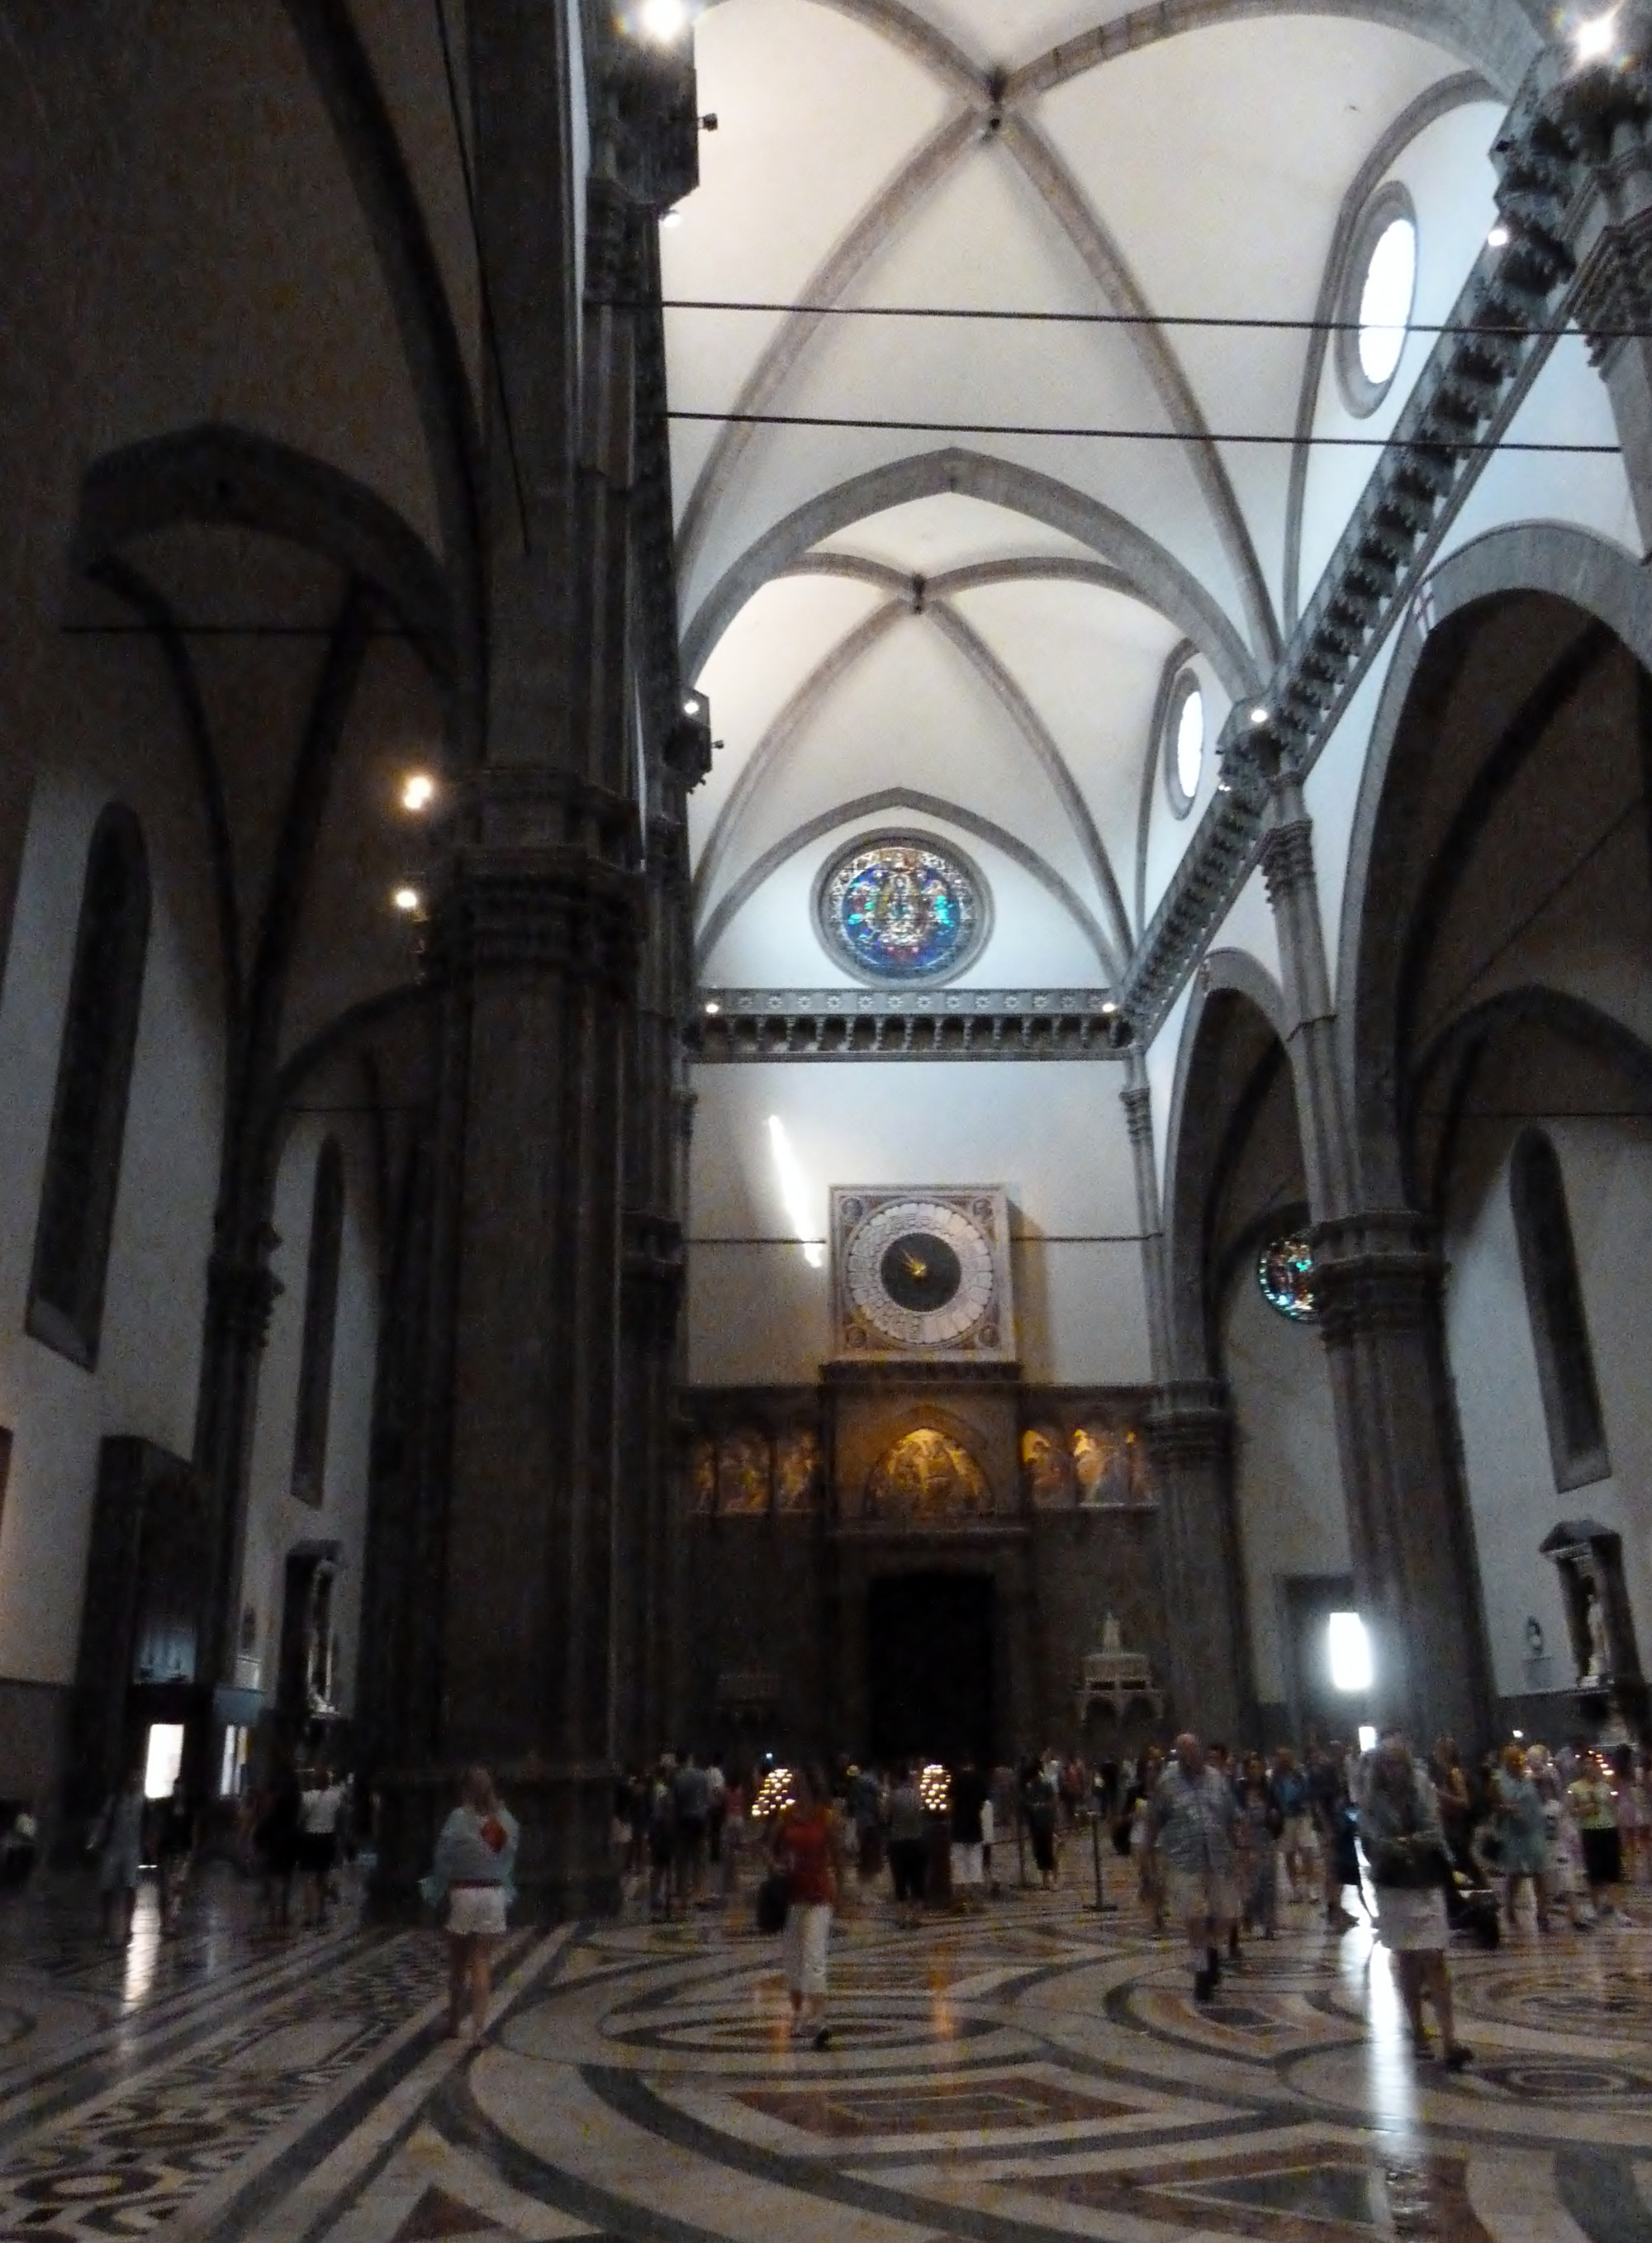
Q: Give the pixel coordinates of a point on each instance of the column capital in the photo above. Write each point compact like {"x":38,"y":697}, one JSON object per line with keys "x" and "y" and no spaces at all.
{"x":1287,"y":860}
{"x":1191,"y":1423}
{"x":1376,"y":1271}
{"x":1137,"y":1103}
{"x":521,"y":805}
{"x":558,"y":910}
{"x":242,"y":1290}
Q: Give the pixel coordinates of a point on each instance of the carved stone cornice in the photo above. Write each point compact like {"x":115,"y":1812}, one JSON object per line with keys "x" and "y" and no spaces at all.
{"x":1613,"y":302}
{"x":1379,"y":1271}
{"x":550,"y":910}
{"x":737,"y":1024}
{"x":1287,"y":860}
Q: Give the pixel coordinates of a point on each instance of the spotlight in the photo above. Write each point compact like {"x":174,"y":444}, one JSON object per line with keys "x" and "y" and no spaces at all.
{"x":1592,"y":42}
{"x":418,"y":791}
{"x":712,"y":1006}
{"x":1109,"y":1009}
{"x":671,"y":217}
{"x":691,"y":706}
{"x":663,"y":21}
{"x":406,"y":900}
{"x":1498,"y":238}
{"x":1259,"y":714}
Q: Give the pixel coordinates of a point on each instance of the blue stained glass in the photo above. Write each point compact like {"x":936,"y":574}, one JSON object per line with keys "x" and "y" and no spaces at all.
{"x":902,"y":910}
{"x":1285,"y":1273}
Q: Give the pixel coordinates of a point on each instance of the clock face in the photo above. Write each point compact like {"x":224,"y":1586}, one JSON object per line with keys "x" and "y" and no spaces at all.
{"x":920,"y":1273}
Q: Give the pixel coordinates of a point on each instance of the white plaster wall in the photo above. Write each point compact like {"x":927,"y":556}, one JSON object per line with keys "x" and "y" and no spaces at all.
{"x":1162,"y":1055}
{"x":113,"y":744}
{"x":1052,"y":1133}
{"x":1288,"y":1480}
{"x":276,"y":1521}
{"x":1608,"y":1170}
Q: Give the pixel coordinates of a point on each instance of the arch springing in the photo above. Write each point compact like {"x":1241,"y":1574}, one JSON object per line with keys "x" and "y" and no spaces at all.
{"x":1555,"y":1303}
{"x":82,"y":1177}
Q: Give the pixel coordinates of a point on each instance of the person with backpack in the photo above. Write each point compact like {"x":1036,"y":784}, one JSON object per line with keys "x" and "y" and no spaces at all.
{"x":472,"y":1874}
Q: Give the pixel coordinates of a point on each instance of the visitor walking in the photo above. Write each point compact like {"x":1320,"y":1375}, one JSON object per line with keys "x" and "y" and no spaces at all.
{"x":118,"y":1841}
{"x":1523,"y":1838}
{"x":276,"y":1835}
{"x":318,"y":1838}
{"x":1406,"y":1845}
{"x":1261,"y":1822}
{"x":174,"y":1854}
{"x":1594,"y":1808}
{"x":471,"y":1872}
{"x":806,"y":1851}
{"x":908,"y":1854}
{"x":969,"y":1837}
{"x":1039,"y":1811}
{"x":1194,"y":1821}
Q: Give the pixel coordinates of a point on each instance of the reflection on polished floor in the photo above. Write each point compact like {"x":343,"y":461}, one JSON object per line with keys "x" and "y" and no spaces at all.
{"x":1036,"y":2072}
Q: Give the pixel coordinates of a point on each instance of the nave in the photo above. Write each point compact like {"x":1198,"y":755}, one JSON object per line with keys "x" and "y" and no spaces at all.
{"x":1035,"y":2072}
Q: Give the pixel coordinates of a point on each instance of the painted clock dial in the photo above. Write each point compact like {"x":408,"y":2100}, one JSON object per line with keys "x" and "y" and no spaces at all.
{"x":920,"y":1273}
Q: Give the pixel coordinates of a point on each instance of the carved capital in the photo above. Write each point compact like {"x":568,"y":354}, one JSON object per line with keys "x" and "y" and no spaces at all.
{"x":613,"y":262}
{"x":1189,"y":1427}
{"x":556,"y":911}
{"x":1612,"y":300}
{"x":1375,"y":1272}
{"x":241,"y":1290}
{"x":1137,"y":1103}
{"x":1288,"y":861}
{"x":532,"y":805}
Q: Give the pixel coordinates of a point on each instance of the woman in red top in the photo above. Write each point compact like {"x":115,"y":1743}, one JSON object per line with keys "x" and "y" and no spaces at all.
{"x":806,"y":1849}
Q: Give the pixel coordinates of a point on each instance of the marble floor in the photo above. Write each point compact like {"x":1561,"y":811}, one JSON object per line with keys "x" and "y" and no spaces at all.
{"x":1036,"y":2071}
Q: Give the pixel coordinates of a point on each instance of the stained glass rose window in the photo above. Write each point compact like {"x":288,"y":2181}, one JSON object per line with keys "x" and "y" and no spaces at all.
{"x":1285,"y":1271}
{"x":902,"y":908}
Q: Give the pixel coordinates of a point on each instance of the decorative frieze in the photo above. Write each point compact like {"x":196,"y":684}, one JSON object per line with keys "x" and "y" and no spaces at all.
{"x":816,"y":1024}
{"x":1288,"y":861}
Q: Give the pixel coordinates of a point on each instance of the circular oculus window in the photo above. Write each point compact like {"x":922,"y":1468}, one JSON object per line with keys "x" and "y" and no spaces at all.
{"x":1378,"y":294}
{"x":1285,"y":1273}
{"x":1183,"y":743}
{"x":900,"y":907}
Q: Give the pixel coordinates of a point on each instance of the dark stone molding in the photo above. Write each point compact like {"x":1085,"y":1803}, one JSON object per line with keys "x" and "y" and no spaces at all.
{"x":1190,"y":1424}
{"x":748,"y":1024}
{"x":1376,"y":1272}
{"x":848,"y":1372}
{"x":241,"y":1294}
{"x":541,"y":804}
{"x":1288,"y":861}
{"x":1136,"y":1099}
{"x":1613,"y":300}
{"x":539,"y":908}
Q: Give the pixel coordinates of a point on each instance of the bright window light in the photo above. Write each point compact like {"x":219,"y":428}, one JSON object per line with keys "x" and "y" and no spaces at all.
{"x":164,"y":1758}
{"x":1350,"y":1649}
{"x":794,"y":1190}
{"x":1368,"y":1737}
{"x":1384,"y":299}
{"x":664,"y":20}
{"x":1592,"y":42}
{"x":1190,"y":742}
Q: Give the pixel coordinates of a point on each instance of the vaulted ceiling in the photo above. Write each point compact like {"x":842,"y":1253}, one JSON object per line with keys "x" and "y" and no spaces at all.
{"x":970,"y":629}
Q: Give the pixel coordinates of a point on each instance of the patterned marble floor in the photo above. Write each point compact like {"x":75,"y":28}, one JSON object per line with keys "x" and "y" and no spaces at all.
{"x":1039,"y":2071}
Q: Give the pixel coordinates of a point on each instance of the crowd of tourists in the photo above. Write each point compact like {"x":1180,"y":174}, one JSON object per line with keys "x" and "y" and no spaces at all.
{"x":1219,"y":1845}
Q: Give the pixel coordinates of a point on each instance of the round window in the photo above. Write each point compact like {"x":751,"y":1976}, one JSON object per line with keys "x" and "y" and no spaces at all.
{"x":1378,"y":294}
{"x":1183,"y":743}
{"x":1285,"y":1273}
{"x":900,"y":907}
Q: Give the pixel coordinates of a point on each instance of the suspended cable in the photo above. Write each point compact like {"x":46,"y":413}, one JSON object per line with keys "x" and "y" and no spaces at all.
{"x":1434,"y":444}
{"x":1220,"y":320}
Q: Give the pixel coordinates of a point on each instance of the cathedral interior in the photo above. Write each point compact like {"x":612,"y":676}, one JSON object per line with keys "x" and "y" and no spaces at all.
{"x":823,"y":826}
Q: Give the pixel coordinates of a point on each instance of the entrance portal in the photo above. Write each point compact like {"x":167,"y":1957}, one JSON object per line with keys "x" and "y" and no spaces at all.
{"x":930,"y":1639}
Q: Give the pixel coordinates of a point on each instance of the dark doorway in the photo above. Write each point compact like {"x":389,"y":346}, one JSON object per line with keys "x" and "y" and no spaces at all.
{"x":929,"y":1637}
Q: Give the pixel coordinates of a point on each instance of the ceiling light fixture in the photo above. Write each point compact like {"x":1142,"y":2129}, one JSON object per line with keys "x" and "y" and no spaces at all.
{"x":1592,"y":42}
{"x":1109,"y":1009}
{"x":1498,"y":238}
{"x":662,"y":21}
{"x":1259,"y":714}
{"x":406,"y":900}
{"x":712,"y":1006}
{"x":673,"y":217}
{"x":418,"y":791}
{"x":692,"y":705}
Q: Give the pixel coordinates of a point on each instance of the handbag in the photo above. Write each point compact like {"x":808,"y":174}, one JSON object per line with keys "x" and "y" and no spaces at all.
{"x":774,"y":1901}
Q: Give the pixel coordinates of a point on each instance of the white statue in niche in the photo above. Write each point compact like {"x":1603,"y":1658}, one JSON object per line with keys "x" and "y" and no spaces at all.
{"x":1600,"y":1658}
{"x":1112,"y":1641}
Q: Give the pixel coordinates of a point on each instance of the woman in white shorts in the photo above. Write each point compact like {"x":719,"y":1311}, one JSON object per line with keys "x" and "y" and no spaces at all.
{"x":1401,"y":1830}
{"x":476,"y":1856}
